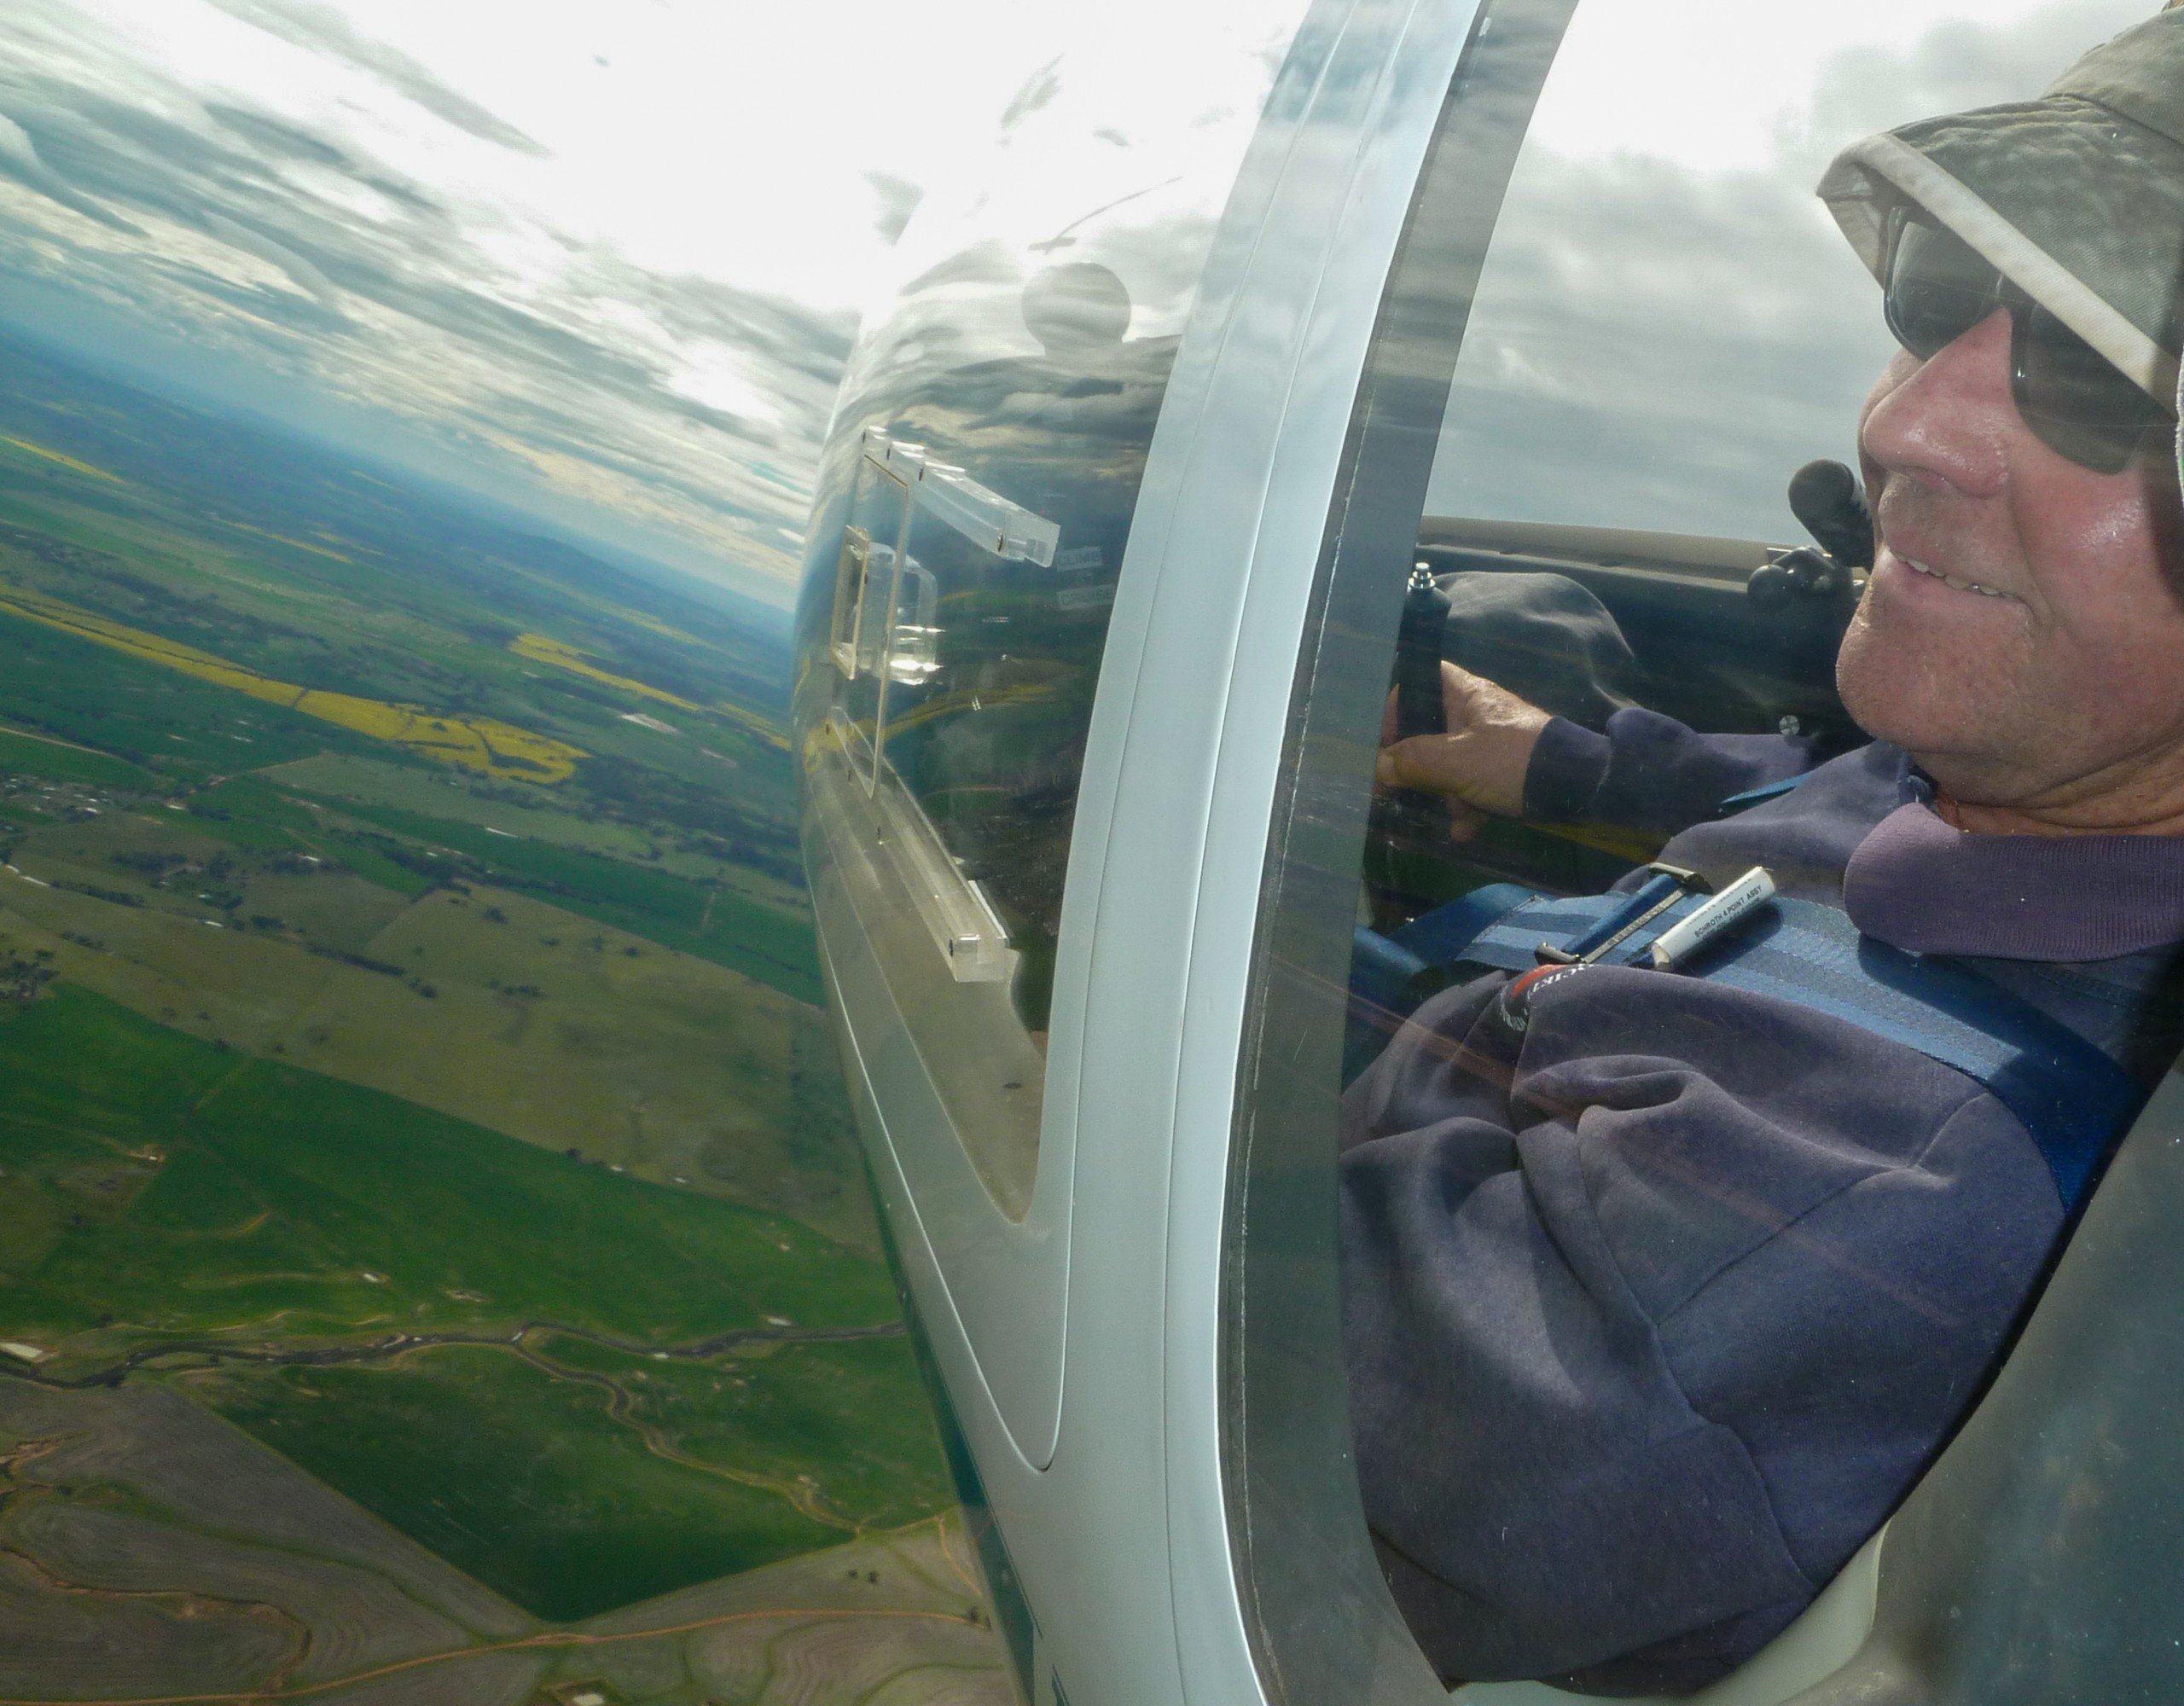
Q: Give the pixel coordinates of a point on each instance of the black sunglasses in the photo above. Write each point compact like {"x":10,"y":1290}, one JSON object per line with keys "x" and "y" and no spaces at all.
{"x":2073,"y":399}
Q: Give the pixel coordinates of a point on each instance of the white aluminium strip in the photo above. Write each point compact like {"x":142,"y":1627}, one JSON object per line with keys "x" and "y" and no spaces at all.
{"x":1007,"y":529}
{"x":976,"y":512}
{"x":970,"y":938}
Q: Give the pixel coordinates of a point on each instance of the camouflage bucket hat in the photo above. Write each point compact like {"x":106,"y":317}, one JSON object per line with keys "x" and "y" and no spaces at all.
{"x":2076,"y":197}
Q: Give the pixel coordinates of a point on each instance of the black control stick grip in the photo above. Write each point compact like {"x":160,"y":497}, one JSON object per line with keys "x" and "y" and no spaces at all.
{"x":1826,"y":498}
{"x":1419,"y":708}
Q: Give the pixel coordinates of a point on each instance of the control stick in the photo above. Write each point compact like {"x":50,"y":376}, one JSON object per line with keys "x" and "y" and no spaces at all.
{"x":1419,"y":708}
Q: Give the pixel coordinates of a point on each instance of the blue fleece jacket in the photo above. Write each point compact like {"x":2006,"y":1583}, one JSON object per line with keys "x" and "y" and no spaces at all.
{"x":1654,"y":1312}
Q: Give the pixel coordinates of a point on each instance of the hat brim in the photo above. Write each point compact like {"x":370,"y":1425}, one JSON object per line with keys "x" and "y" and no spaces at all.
{"x":2081,"y":208}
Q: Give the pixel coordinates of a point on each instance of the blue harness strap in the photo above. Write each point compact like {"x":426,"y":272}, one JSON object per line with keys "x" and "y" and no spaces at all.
{"x":1389,"y":975}
{"x":1758,"y":795}
{"x":2072,"y":1098}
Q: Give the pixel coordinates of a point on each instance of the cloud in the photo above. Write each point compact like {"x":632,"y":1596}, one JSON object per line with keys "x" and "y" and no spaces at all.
{"x":321,"y":29}
{"x":1959,"y":64}
{"x":307,"y":277}
{"x":1656,"y":344}
{"x":898,"y":200}
{"x":529,"y":249}
{"x":1038,"y":91}
{"x":272,"y":136}
{"x":1653,"y":348}
{"x":19,"y":159}
{"x":291,"y":253}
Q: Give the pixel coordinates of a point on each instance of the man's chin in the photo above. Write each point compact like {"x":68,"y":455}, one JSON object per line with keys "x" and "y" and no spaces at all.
{"x":1918,"y":695}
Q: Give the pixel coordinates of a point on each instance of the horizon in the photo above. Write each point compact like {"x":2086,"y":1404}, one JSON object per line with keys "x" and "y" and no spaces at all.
{"x":471,"y":250}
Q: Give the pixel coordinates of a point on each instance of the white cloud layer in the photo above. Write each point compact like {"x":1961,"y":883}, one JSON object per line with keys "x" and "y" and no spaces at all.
{"x":608,"y":254}
{"x":1668,"y":323}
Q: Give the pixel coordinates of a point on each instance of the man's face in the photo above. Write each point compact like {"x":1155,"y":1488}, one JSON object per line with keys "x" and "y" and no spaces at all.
{"x":2054,"y":675}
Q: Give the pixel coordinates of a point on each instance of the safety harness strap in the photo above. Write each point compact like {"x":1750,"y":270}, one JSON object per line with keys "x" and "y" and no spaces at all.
{"x":2072,"y":1098}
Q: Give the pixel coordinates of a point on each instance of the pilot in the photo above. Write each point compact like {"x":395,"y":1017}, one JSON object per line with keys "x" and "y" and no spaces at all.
{"x":1657,"y":1308}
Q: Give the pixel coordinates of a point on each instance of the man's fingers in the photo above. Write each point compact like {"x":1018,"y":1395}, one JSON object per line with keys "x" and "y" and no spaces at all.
{"x":1429,"y":762}
{"x":1485,"y":756}
{"x":1397,"y":768}
{"x":1465,"y":821}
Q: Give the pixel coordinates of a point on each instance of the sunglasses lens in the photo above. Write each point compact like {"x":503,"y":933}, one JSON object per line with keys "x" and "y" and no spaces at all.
{"x":2075,"y":402}
{"x":1938,"y":288}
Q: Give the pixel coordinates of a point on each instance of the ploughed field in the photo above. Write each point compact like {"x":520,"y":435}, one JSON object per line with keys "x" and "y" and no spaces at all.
{"x":410,"y":1068}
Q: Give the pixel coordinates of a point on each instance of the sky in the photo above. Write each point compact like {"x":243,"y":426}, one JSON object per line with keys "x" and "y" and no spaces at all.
{"x":1669,"y":323}
{"x":601,"y":259}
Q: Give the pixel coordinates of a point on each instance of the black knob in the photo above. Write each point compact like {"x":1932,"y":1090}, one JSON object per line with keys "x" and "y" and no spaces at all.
{"x":1770,"y":588}
{"x":1826,"y":498}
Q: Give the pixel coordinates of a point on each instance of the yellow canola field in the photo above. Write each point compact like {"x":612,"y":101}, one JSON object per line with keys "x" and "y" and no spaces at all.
{"x":64,"y":462}
{"x":539,"y":648}
{"x":283,"y":539}
{"x":476,"y":743}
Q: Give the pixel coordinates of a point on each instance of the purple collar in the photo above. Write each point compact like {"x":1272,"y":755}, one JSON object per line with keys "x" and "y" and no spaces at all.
{"x":1919,"y":885}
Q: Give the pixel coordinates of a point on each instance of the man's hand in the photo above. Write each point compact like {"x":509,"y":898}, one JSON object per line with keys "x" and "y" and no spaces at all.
{"x":1478,"y":766}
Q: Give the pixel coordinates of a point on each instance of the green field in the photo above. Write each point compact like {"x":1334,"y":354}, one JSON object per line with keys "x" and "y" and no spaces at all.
{"x":518,"y":1476}
{"x":525,"y":813}
{"x":133,"y":727}
{"x":166,"y":1195}
{"x":467,"y":1136}
{"x":481,"y":1003}
{"x":55,"y":683}
{"x":716,"y":924}
{"x":27,"y":755}
{"x":779,"y":1407}
{"x":283,"y":1201}
{"x":250,"y":813}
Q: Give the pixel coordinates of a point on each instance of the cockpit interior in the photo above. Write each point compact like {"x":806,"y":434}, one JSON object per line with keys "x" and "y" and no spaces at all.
{"x":1508,"y":346}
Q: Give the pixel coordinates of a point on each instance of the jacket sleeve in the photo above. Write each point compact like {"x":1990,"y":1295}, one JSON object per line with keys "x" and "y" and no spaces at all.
{"x":1643,"y":1344}
{"x":1649,"y":772}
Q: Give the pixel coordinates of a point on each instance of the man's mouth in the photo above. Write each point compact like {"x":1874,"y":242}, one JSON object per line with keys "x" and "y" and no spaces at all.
{"x":1956,"y":581}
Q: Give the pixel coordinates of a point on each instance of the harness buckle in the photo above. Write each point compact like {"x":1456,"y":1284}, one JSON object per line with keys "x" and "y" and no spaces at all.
{"x":1667,"y":885}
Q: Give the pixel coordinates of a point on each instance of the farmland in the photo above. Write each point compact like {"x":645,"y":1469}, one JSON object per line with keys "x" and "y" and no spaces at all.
{"x":110,"y":1500}
{"x":481,"y":744}
{"x":415,"y":1100}
{"x":274,"y":1237}
{"x":275,"y":1193}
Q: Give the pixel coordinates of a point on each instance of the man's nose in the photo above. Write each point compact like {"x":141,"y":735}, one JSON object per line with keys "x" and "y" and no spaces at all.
{"x":1951,"y":419}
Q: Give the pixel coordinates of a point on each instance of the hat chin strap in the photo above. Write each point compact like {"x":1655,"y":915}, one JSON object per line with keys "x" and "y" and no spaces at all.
{"x":2021,"y":260}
